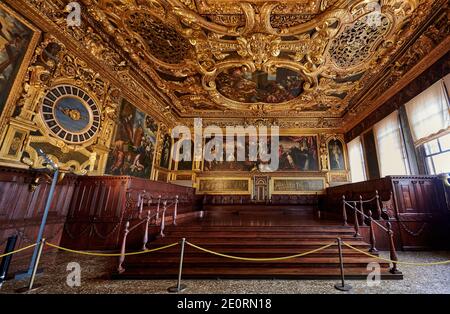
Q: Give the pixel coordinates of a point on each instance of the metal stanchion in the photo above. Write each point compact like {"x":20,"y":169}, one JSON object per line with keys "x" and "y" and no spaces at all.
{"x":6,"y":261}
{"x":33,"y":274}
{"x":341,"y":285}
{"x":54,"y":167}
{"x":179,"y":287}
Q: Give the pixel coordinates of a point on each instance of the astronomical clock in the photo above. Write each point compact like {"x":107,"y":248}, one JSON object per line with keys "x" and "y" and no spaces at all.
{"x":70,"y":114}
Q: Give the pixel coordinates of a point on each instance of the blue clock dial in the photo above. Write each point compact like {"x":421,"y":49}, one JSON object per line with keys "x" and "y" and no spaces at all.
{"x":71,"y":114}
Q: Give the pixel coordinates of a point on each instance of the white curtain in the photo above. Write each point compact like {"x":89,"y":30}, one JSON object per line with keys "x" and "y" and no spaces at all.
{"x":428,"y":112}
{"x":391,"y":151}
{"x":356,"y":158}
{"x":447,"y":84}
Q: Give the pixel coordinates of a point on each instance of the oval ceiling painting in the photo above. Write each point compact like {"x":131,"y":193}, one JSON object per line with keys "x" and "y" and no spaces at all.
{"x":259,"y":86}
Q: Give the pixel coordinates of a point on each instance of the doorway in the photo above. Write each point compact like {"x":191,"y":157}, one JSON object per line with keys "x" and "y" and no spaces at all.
{"x":261,"y":188}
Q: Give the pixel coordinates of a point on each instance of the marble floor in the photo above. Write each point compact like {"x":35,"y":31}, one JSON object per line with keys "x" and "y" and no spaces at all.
{"x":95,"y":270}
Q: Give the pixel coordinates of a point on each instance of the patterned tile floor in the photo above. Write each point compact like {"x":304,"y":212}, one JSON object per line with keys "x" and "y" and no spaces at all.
{"x":94,"y":279}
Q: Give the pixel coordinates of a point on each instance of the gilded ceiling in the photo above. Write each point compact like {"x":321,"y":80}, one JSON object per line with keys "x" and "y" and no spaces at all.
{"x":223,"y":59}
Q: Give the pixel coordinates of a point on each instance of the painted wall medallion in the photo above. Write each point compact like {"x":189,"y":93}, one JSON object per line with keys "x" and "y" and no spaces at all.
{"x":70,"y":114}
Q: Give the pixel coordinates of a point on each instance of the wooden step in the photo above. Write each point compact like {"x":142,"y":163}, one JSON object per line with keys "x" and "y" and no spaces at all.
{"x":261,"y":252}
{"x":314,"y":243}
{"x":213,"y":261}
{"x":252,"y":273}
{"x":256,"y":236}
{"x":257,"y":228}
{"x":262,"y":236}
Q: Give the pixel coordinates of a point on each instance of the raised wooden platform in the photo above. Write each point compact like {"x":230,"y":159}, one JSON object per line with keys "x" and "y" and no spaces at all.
{"x":255,"y":231}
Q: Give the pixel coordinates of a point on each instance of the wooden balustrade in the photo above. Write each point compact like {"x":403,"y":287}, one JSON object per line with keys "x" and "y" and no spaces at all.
{"x":389,"y":232}
{"x":142,"y":198}
{"x":104,"y":203}
{"x":416,"y":205}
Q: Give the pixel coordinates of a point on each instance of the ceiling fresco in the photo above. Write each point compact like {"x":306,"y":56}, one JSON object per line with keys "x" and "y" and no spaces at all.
{"x":290,"y":59}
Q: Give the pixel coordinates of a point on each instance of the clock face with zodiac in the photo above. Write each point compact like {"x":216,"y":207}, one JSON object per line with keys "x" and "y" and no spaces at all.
{"x":70,"y":114}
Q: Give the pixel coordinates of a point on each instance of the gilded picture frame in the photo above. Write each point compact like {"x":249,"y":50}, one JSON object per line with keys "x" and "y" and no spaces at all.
{"x":344,"y":154}
{"x":274,"y":191}
{"x":21,"y":67}
{"x":223,"y":191}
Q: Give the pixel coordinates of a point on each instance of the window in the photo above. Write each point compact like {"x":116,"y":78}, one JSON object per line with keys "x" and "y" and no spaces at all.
{"x":437,"y":155}
{"x":355,"y":154}
{"x":429,"y":113}
{"x":390,"y":147}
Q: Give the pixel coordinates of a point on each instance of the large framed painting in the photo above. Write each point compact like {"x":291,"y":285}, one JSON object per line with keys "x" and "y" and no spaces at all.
{"x":230,"y":160}
{"x":18,"y":39}
{"x":185,"y":164}
{"x":133,"y":148}
{"x":298,"y":153}
{"x":166,"y":148}
{"x":336,"y":154}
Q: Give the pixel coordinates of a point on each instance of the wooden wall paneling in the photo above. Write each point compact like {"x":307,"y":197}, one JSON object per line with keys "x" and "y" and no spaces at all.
{"x":21,"y":208}
{"x":420,"y":220}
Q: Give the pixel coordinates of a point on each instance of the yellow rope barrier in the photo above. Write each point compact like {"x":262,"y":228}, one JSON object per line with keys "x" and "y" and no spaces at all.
{"x":111,"y":254}
{"x":260,"y":259}
{"x":397,"y":262}
{"x":19,"y":250}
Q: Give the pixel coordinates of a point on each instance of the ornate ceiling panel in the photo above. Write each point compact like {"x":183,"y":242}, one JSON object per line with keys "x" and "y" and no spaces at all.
{"x":221,"y":59}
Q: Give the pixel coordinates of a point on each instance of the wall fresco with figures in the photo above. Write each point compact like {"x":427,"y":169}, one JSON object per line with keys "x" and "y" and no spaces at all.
{"x":133,"y":147}
{"x":296,"y":153}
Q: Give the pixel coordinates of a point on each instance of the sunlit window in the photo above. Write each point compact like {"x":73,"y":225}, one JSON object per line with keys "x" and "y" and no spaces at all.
{"x":391,"y":151}
{"x":437,"y":154}
{"x":355,"y":154}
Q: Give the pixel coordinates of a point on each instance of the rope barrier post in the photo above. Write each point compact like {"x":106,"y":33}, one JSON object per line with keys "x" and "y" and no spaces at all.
{"x":120,"y":268}
{"x":179,"y":287}
{"x":145,"y":240}
{"x":141,"y":202}
{"x":356,"y":222}
{"x":392,"y":252}
{"x":34,"y":271}
{"x":157,"y":207}
{"x":344,"y":211}
{"x":6,"y":261}
{"x":341,"y":285}
{"x":377,"y":197}
{"x":163,"y":219}
{"x":361,"y":208}
{"x":372,"y":234}
{"x":175,"y":211}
